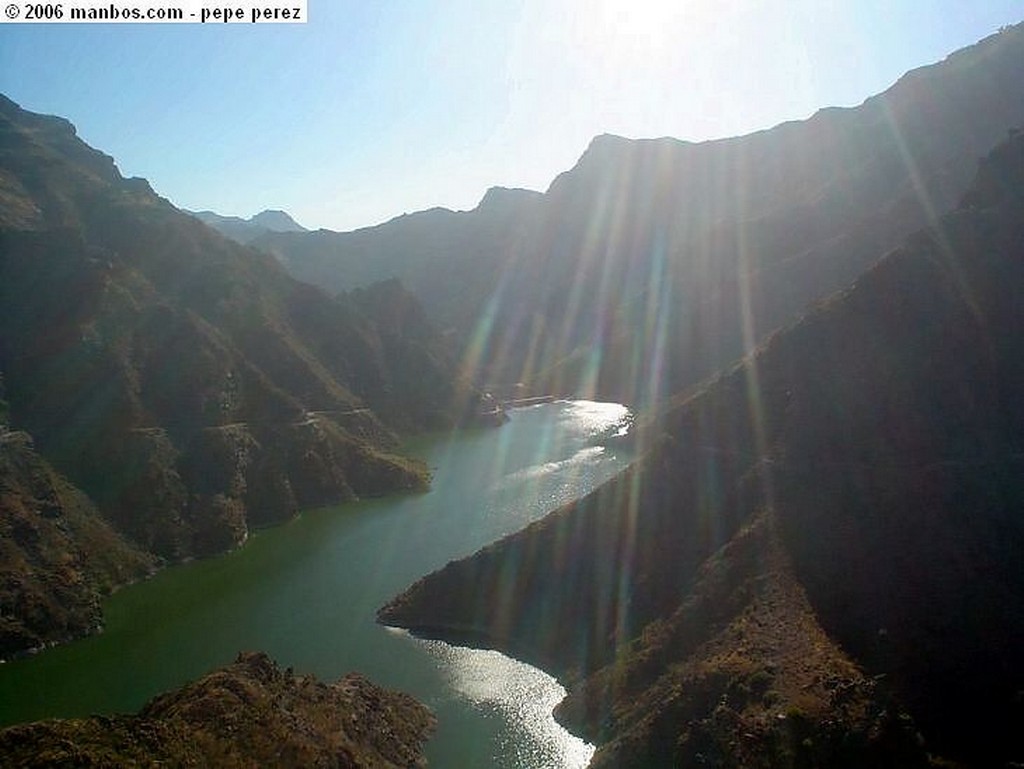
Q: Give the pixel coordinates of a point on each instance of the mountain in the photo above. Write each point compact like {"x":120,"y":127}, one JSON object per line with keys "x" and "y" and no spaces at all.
{"x":816,"y":559}
{"x":448,"y":259}
{"x":653,"y":263}
{"x":186,"y":384}
{"x":249,"y":713}
{"x":246,"y":230}
{"x":276,"y":221}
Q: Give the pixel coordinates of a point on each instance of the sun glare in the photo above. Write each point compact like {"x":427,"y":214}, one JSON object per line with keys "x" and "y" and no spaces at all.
{"x":611,"y":26}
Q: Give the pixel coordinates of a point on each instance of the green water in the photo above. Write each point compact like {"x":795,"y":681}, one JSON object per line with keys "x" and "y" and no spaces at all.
{"x":307,"y":593}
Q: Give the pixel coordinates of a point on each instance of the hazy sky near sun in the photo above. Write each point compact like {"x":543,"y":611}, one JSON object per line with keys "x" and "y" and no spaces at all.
{"x":372,"y":109}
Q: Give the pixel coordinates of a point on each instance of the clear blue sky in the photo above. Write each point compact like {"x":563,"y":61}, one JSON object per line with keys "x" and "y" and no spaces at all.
{"x":373,"y":109}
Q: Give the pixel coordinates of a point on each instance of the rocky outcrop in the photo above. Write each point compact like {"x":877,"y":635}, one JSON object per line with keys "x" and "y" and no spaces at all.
{"x":250,"y":713}
{"x":743,"y":675}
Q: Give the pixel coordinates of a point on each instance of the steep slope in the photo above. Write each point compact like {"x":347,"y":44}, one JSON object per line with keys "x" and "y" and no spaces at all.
{"x":653,"y":263}
{"x":57,"y":555}
{"x":246,"y":230}
{"x":246,"y":714}
{"x":858,"y":479}
{"x":187,"y":384}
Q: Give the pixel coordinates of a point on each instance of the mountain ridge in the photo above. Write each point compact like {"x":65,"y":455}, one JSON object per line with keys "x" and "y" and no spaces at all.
{"x":717,"y":243}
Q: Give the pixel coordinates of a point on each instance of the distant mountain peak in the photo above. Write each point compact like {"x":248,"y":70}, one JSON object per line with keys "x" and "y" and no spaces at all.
{"x":247,"y":230}
{"x":277,"y":220}
{"x":608,"y":139}
{"x":507,"y":196}
{"x":614,"y":143}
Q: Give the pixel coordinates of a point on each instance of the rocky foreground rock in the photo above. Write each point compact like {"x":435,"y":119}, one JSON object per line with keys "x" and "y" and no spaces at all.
{"x":249,"y":713}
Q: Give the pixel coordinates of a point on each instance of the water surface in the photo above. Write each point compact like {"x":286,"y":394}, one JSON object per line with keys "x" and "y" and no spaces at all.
{"x":307,"y":593}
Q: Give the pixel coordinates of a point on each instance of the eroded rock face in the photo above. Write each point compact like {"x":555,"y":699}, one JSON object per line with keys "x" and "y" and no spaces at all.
{"x":249,"y":713}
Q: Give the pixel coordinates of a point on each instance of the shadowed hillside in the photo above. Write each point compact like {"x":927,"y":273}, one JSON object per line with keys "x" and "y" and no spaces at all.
{"x":451,"y":261}
{"x":187,"y":384}
{"x":653,"y":263}
{"x":826,"y":534}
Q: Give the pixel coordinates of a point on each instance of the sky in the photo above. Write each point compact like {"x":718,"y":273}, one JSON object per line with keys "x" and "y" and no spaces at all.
{"x":371,"y":110}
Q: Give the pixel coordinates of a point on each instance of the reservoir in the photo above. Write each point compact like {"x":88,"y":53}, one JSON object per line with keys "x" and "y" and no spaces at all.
{"x":307,"y":593}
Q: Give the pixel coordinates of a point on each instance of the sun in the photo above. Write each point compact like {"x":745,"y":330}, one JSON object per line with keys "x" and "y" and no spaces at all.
{"x":632,"y":17}
{"x":636,"y":24}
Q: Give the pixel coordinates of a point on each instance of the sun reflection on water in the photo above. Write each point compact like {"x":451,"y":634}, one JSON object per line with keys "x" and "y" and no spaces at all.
{"x":567,"y":457}
{"x":594,"y":419}
{"x":567,"y":453}
{"x":524,"y":696}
